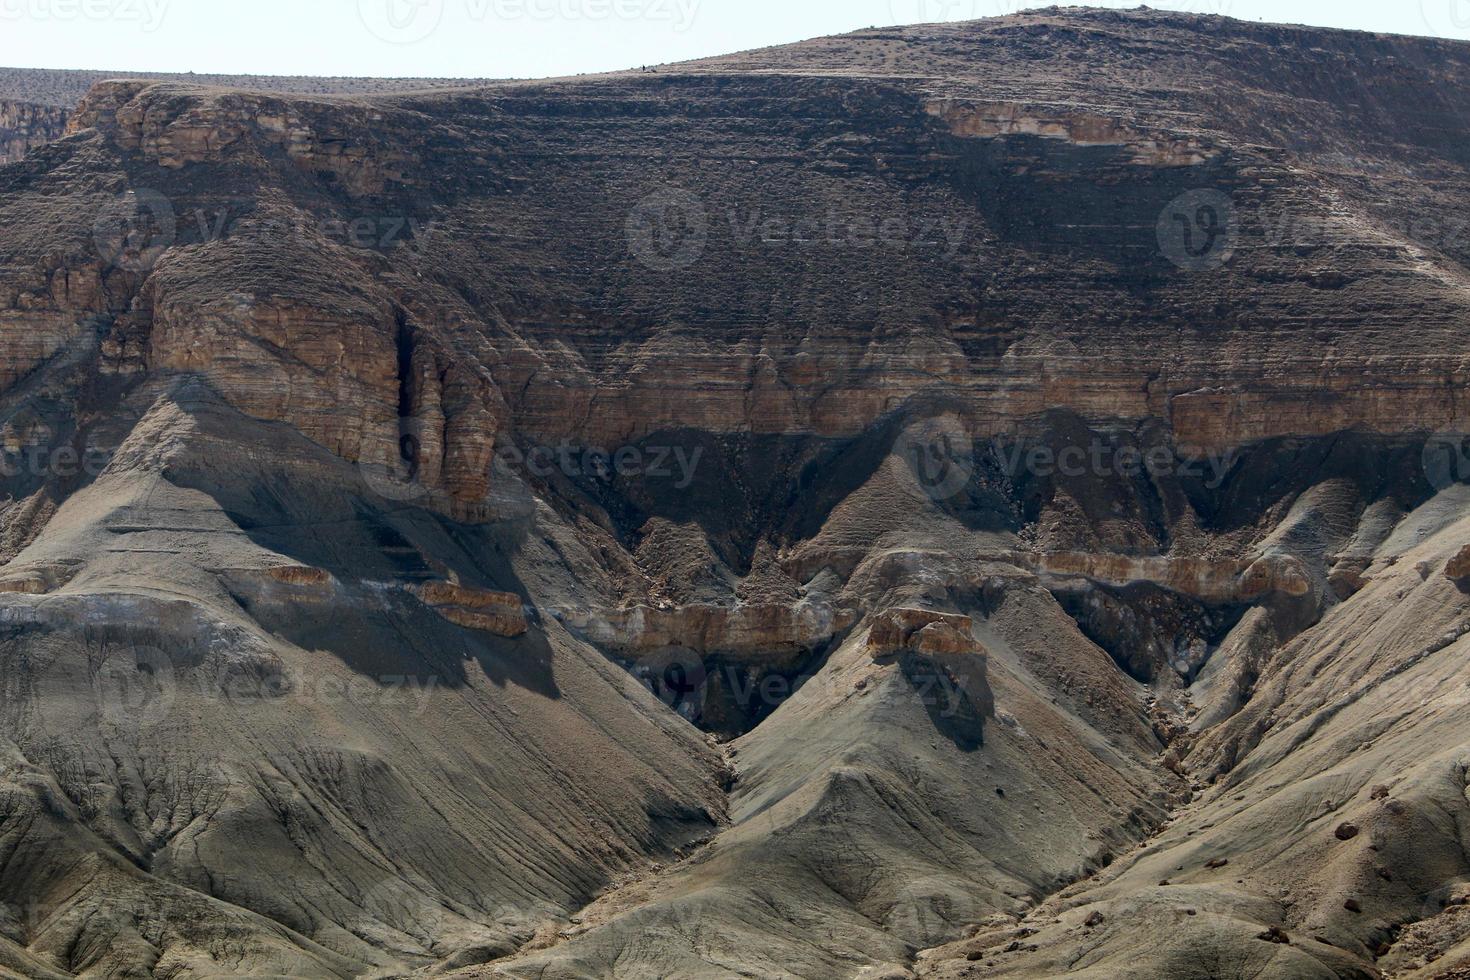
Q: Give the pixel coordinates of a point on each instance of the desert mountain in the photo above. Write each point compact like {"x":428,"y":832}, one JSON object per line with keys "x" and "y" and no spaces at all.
{"x":965,"y":500}
{"x":35,"y":104}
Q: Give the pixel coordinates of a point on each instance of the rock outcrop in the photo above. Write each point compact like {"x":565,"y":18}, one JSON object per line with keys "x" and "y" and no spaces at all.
{"x":36,"y":104}
{"x":501,"y":613}
{"x":896,"y":630}
{"x":25,"y":125}
{"x":868,"y":507}
{"x":1458,"y":567}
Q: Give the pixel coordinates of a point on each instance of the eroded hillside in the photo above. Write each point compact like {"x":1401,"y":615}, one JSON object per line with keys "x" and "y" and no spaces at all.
{"x":963,"y":500}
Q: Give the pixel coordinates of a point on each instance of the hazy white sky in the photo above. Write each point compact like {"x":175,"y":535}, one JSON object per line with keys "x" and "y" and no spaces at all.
{"x":521,"y":38}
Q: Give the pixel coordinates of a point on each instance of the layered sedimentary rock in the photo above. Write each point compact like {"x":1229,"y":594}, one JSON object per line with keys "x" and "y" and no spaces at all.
{"x":896,"y":630}
{"x":36,"y":104}
{"x":500,"y":613}
{"x":988,"y":121}
{"x":24,"y":125}
{"x":954,"y":495}
{"x":943,"y":172}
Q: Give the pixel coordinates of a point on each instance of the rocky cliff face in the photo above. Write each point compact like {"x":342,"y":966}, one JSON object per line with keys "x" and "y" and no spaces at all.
{"x":23,"y":126}
{"x":960,"y":191}
{"x":844,"y":509}
{"x":35,"y":103}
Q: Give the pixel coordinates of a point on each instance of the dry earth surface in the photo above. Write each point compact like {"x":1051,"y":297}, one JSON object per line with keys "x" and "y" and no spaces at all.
{"x":976,"y":500}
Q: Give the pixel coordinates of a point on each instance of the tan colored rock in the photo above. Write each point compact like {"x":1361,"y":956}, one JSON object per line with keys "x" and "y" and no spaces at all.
{"x":501,"y":613}
{"x":1347,"y":579}
{"x":336,"y":385}
{"x":300,"y":575}
{"x":26,"y":125}
{"x":27,"y":338}
{"x":176,"y":134}
{"x":290,"y":585}
{"x":1284,"y":574}
{"x":517,"y":309}
{"x":942,"y":638}
{"x":894,"y":630}
{"x":999,"y":119}
{"x":1458,"y":567}
{"x":38,"y":579}
{"x":26,"y":585}
{"x":1202,"y":577}
{"x":1214,"y":579}
{"x":327,"y":357}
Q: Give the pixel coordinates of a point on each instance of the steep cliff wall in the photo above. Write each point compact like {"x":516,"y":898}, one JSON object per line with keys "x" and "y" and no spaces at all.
{"x":1032,"y":451}
{"x":859,"y":239}
{"x":35,"y":102}
{"x":23,"y":126}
